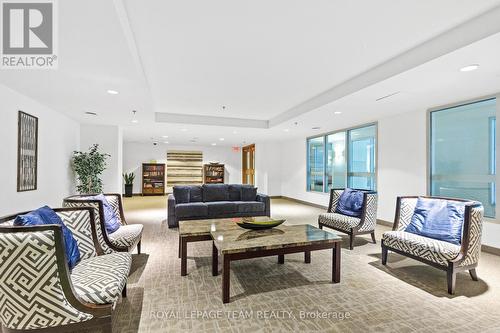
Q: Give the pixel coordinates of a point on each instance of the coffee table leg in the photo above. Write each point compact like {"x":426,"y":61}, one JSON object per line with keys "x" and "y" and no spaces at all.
{"x":179,"y":246}
{"x":281,"y":258}
{"x":226,"y":267}
{"x":215,"y":260}
{"x":307,"y":257}
{"x":183,"y":256}
{"x":336,"y":263}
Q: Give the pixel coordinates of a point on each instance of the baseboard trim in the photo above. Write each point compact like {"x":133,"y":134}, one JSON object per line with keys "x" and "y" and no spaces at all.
{"x":385,"y":223}
{"x":299,"y":201}
{"x":490,"y":249}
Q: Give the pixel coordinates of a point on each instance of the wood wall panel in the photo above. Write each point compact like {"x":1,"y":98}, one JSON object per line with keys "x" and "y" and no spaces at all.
{"x":184,"y":168}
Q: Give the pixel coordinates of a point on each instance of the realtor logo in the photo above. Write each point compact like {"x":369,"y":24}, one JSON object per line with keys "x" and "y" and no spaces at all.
{"x":28,"y":35}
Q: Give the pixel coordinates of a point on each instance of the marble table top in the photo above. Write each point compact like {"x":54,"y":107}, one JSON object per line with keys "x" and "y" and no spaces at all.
{"x":238,"y":240}
{"x":206,"y":226}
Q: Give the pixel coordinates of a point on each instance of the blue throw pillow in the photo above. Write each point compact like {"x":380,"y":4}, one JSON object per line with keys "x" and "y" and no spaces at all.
{"x":350,"y":203}
{"x":45,"y":215}
{"x":110,"y":220}
{"x":438,"y":219}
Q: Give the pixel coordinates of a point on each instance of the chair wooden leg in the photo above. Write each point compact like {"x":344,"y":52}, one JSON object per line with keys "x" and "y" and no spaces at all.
{"x":124,"y":291}
{"x":351,"y":241}
{"x":384,"y":255}
{"x":320,"y":226}
{"x":373,"y":237}
{"x":108,"y":326}
{"x":452,"y":279}
{"x":473,"y":274}
{"x":139,"y":247}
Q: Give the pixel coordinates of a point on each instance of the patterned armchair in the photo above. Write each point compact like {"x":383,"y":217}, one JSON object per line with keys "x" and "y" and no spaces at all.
{"x":38,"y":292}
{"x":442,"y":255}
{"x":351,"y":225}
{"x":125,"y":239}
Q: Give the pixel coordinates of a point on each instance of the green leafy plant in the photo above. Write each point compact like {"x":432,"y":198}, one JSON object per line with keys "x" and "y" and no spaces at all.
{"x":88,"y":167}
{"x":128,"y":178}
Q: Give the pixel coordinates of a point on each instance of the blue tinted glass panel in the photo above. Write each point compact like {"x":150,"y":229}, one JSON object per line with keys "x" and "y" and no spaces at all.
{"x":315,"y":164}
{"x":463,"y":157}
{"x":336,"y":164}
{"x":361,"y":161}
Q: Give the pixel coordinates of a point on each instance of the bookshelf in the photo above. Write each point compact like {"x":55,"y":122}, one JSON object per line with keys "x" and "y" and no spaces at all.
{"x":153,"y":179}
{"x":213,"y":173}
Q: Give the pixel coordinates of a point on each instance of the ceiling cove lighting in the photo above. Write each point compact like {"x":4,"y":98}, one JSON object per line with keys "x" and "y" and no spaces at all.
{"x":164,"y":136}
{"x":221,"y":139}
{"x":112,"y":92}
{"x":337,"y":112}
{"x":134,"y":119}
{"x":286,"y":130}
{"x":469,"y":68}
{"x":165,"y":142}
{"x":214,"y":144}
{"x":184,"y":129}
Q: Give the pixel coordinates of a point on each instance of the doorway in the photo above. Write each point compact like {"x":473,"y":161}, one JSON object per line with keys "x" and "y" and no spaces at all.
{"x":248,"y":165}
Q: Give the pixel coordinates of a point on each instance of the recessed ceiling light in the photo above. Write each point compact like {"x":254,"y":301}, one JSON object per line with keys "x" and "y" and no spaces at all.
{"x":469,"y":68}
{"x":91,"y":113}
{"x":337,"y":112}
{"x":214,"y":144}
{"x":112,"y":92}
{"x":221,"y":139}
{"x":234,"y":132}
{"x":164,"y":136}
{"x":286,"y":130}
{"x":184,"y":129}
{"x":135,"y":121}
{"x":165,"y":142}
{"x":316,"y":128}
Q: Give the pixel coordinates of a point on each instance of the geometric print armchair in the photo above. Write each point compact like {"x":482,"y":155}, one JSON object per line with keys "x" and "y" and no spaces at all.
{"x":443,"y":255}
{"x":37,"y":289}
{"x":125,"y":239}
{"x":365,"y":224}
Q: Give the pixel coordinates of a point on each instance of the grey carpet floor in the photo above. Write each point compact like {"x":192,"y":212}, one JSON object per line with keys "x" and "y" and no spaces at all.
{"x":404,"y":296}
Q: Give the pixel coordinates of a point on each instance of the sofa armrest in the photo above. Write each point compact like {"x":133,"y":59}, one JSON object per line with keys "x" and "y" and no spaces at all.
{"x":267,"y":202}
{"x":172,"y":221}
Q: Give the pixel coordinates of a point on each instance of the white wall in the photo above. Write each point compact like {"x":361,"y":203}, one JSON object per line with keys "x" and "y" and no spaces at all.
{"x":58,"y":137}
{"x":110,"y":140}
{"x":268,"y":168}
{"x":134,"y":154}
{"x":402,"y":168}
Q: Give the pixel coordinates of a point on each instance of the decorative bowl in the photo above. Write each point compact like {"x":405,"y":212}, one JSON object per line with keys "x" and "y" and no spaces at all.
{"x":259,"y":225}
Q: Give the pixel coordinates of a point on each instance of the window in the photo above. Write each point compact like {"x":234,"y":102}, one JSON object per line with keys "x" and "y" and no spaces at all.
{"x":361,"y":164}
{"x":316,"y":155}
{"x":343,"y":158}
{"x":462,"y":153}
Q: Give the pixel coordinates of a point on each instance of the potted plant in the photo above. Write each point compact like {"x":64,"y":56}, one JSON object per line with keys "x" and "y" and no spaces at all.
{"x":128,"y":178}
{"x":88,"y":167}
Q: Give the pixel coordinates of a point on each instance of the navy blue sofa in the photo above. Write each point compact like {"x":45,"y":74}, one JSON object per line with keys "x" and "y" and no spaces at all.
{"x":209,"y":201}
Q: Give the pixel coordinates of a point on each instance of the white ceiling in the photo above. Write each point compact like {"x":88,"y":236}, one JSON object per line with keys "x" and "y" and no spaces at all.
{"x":258,"y":58}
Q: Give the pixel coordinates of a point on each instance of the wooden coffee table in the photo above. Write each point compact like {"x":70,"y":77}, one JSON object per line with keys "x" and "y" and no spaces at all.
{"x":237,"y":244}
{"x":199,"y":230}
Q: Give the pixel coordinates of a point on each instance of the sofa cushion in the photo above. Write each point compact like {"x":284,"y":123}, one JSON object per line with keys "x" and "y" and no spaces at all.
{"x":100,"y":280}
{"x":219,"y":208}
{"x":434,"y":250}
{"x":195,"y":193}
{"x":350,"y":203}
{"x":250,"y":207}
{"x":248,"y":193}
{"x":181,"y":194}
{"x":339,"y":221}
{"x":438,"y":219}
{"x":127,"y":235}
{"x":234,"y":192}
{"x":215,"y":192}
{"x":192,"y":209}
